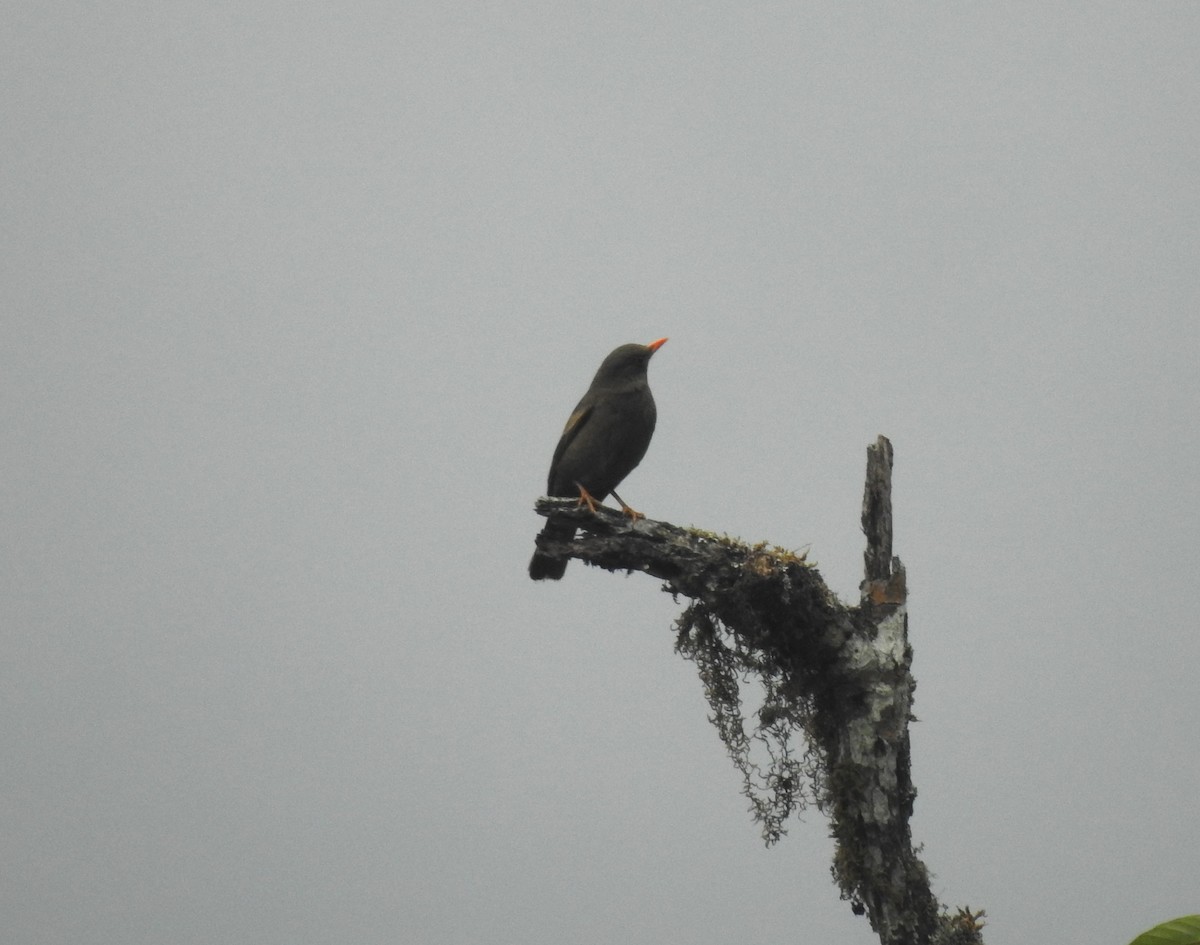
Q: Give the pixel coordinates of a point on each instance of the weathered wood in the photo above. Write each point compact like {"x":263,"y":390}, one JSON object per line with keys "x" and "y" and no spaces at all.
{"x":837,"y":674}
{"x":872,"y":746}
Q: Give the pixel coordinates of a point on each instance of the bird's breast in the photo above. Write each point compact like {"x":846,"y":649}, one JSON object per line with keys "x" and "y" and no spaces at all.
{"x":609,"y":444}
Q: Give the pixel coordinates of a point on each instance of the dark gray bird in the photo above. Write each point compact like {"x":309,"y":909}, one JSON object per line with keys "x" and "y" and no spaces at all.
{"x":605,"y":438}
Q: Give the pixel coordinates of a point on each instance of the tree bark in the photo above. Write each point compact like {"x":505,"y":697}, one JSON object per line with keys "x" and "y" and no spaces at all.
{"x":837,"y":674}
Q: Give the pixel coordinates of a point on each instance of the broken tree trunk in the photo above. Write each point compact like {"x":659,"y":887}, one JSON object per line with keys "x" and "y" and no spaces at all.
{"x":837,"y":675}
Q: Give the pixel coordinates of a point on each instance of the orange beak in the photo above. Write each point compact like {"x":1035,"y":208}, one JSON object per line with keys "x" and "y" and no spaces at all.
{"x":655,"y":345}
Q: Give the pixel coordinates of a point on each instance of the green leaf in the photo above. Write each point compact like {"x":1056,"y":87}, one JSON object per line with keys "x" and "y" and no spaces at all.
{"x":1182,"y":931}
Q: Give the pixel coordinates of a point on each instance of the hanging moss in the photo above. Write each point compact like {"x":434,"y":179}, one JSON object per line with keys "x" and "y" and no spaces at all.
{"x":775,"y":781}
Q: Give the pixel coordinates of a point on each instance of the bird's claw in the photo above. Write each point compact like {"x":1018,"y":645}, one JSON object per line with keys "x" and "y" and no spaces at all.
{"x":585,"y":498}
{"x":629,"y":510}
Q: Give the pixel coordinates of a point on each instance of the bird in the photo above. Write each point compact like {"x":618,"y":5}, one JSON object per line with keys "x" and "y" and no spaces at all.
{"x":605,"y":438}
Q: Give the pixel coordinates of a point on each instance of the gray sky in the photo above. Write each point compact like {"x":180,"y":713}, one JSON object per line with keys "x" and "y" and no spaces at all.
{"x":296,"y":299}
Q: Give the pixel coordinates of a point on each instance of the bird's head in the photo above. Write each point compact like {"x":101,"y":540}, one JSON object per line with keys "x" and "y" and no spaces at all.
{"x":627,"y":362}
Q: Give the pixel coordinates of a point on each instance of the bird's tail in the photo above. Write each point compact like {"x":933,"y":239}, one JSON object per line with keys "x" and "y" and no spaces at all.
{"x":542,"y":567}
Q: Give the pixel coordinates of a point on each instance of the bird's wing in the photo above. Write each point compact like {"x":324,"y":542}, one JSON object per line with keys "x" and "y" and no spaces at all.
{"x":575,"y":423}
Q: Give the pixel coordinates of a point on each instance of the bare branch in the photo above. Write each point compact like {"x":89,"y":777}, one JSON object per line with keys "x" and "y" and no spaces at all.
{"x":838,"y":675}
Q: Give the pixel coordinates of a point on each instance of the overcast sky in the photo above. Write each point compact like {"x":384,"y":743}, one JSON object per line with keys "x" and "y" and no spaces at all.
{"x":296,"y":299}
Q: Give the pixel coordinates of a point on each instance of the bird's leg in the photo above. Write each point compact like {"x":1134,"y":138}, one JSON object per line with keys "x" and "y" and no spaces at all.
{"x":633,"y":513}
{"x":586,"y":498}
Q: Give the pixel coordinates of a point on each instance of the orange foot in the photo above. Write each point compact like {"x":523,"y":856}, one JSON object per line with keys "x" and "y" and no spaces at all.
{"x":586,"y":498}
{"x":633,"y":513}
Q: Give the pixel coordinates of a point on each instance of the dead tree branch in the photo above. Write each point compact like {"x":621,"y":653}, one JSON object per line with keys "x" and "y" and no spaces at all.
{"x":836,"y":675}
